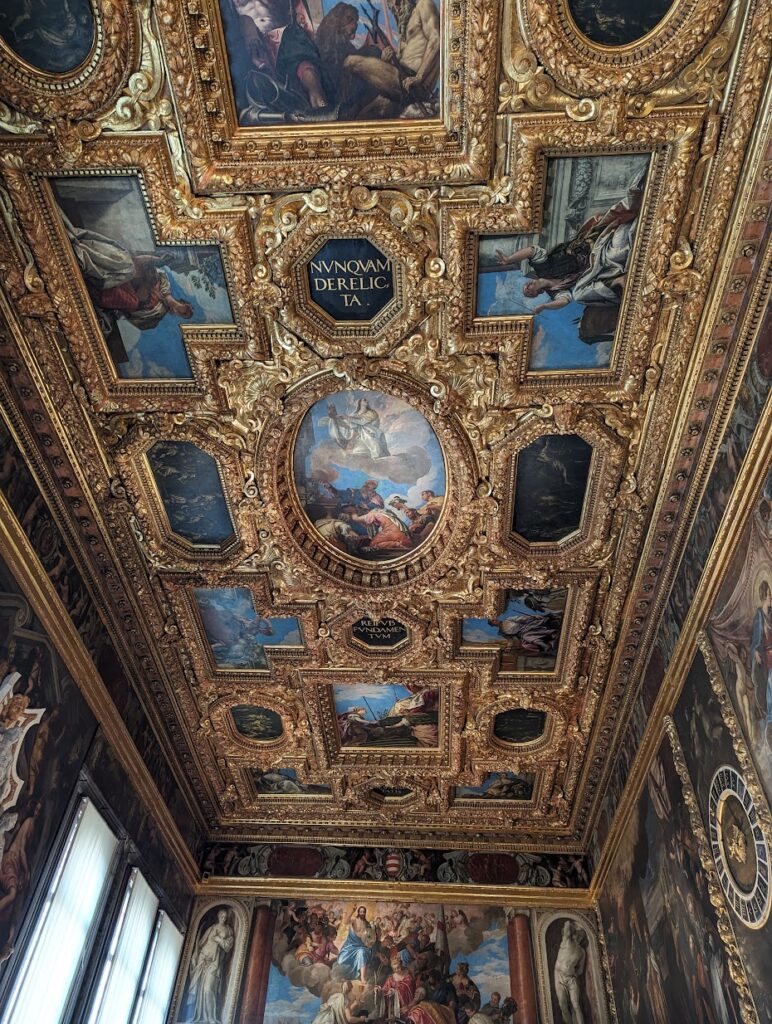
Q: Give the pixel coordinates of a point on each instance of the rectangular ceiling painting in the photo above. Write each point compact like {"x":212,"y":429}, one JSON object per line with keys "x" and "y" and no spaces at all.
{"x":571,"y":275}
{"x":320,"y":61}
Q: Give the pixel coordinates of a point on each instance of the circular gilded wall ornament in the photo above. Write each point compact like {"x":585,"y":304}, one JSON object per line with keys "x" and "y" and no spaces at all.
{"x":739,"y":847}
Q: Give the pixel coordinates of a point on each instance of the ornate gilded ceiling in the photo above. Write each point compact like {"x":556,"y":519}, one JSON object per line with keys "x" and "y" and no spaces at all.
{"x":372,"y":347}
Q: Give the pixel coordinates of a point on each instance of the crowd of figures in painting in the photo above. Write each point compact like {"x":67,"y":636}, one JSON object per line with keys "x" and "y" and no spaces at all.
{"x":340,"y":961}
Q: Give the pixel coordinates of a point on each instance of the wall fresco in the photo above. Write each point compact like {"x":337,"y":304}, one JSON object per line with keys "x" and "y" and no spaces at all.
{"x":667,"y":961}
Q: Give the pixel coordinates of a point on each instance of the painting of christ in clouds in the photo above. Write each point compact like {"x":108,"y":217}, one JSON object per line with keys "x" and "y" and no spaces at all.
{"x":370,"y":474}
{"x":571,"y":276}
{"x":142,"y":292}
{"x":325,"y":61}
{"x":387,"y":714}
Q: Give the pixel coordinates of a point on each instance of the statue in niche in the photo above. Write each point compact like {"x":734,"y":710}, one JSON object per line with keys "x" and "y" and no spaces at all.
{"x":569,"y":973}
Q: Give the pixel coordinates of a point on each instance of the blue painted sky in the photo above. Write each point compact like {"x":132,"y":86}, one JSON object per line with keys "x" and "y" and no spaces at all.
{"x":415,"y":462}
{"x":380,"y":698}
{"x":237,"y":635}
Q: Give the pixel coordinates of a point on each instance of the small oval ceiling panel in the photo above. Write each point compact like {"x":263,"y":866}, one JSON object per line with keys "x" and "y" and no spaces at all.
{"x":617,"y":22}
{"x":53,"y":38}
{"x":369,"y":474}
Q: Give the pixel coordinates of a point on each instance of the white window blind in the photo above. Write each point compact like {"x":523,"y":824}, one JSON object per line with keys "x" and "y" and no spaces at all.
{"x":158,"y":982}
{"x":126,"y":954}
{"x":56,"y":947}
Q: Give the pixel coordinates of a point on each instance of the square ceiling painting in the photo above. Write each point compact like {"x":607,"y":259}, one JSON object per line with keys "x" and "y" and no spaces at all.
{"x":141,"y":292}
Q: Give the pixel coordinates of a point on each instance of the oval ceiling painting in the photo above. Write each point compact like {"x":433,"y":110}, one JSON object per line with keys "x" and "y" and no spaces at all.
{"x":617,"y":22}
{"x":369,"y":474}
{"x":52,"y":37}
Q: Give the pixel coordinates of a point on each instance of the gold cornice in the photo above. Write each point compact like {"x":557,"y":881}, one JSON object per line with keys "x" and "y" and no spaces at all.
{"x":414,"y":892}
{"x":34,"y":582}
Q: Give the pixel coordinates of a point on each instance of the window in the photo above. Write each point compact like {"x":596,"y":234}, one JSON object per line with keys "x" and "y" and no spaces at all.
{"x":156,"y":990}
{"x":126,"y":954}
{"x":72,"y":905}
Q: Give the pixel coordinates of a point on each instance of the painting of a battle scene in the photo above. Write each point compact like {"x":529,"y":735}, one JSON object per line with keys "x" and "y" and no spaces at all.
{"x":370,"y":474}
{"x":387,"y":714}
{"x":191,"y":492}
{"x":499,"y":786}
{"x":617,"y":22}
{"x":326,"y":61}
{"x":667,"y":961}
{"x":55,"y":36}
{"x":526,"y":631}
{"x":340,"y":962}
{"x":141,"y":292}
{"x":550,"y":487}
{"x":45,"y":732}
{"x":740,"y":629}
{"x":237,"y":635}
{"x":571,"y":276}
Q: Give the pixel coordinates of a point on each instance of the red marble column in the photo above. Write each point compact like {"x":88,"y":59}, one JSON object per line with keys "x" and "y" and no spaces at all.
{"x":521,"y":968}
{"x":258,"y":965}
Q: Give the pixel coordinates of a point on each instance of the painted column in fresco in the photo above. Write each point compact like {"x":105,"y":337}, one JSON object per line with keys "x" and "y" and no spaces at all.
{"x":258,"y":965}
{"x":521,"y":966}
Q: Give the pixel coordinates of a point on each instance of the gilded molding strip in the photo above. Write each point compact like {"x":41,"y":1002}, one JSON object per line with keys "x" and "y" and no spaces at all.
{"x":715,"y":892}
{"x":34,"y":582}
{"x":411,"y":892}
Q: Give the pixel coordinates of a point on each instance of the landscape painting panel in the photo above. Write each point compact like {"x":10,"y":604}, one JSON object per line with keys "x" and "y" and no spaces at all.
{"x":237,"y":635}
{"x":337,"y":961}
{"x":527,"y":630}
{"x":322,"y":61}
{"x":550,"y":485}
{"x":519,"y":725}
{"x":141,"y":292}
{"x":54,"y":36}
{"x":667,"y":961}
{"x":263,"y":725}
{"x":387,"y":714}
{"x":617,"y":22}
{"x":500,"y":786}
{"x":571,"y":276}
{"x":370,"y":474}
{"x":740,"y":630}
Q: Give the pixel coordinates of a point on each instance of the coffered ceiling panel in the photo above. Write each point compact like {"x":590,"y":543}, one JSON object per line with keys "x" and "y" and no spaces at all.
{"x":368,"y":334}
